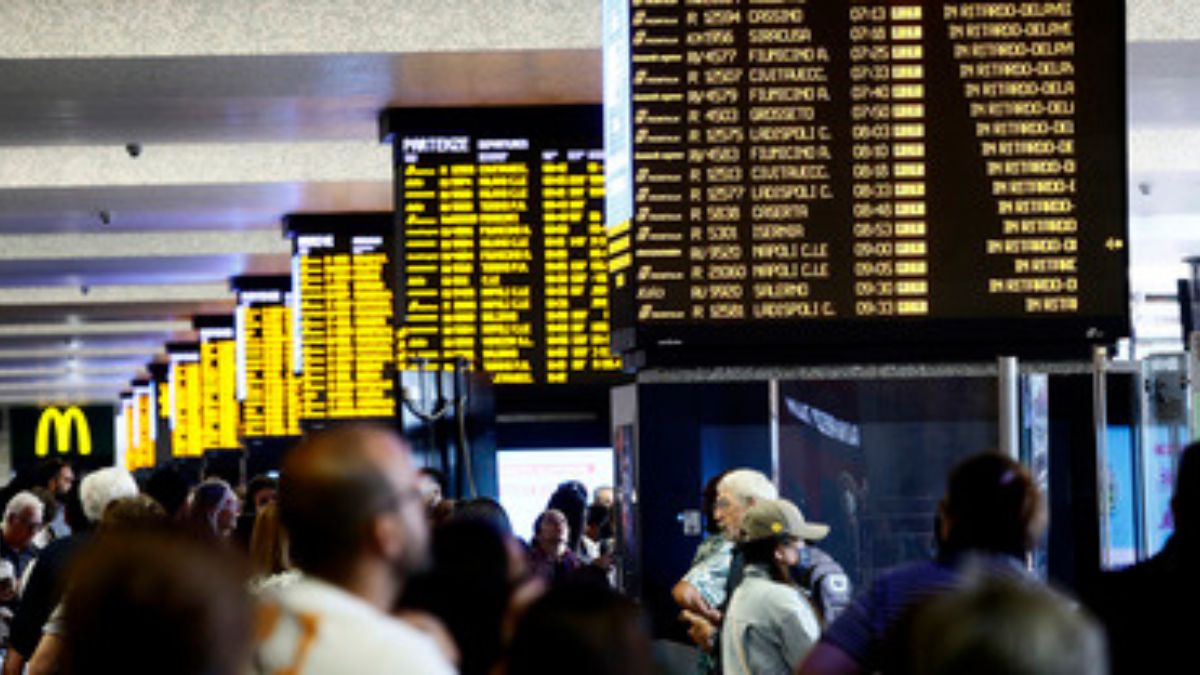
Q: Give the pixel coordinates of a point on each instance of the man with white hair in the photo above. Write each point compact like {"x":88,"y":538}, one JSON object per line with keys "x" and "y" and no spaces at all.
{"x":704,"y":589}
{"x":46,"y":579}
{"x":22,"y":520}
{"x":103,"y":486}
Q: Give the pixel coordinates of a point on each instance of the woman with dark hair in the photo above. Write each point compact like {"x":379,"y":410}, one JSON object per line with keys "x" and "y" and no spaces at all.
{"x":570,"y":499}
{"x":989,"y":519}
{"x":467,"y":588}
{"x":770,"y":624}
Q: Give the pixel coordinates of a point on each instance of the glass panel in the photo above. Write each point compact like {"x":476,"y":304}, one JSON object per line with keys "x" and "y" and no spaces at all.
{"x":1165,"y":433}
{"x":1121,"y":505}
{"x":1035,"y":447}
{"x":870,"y":458}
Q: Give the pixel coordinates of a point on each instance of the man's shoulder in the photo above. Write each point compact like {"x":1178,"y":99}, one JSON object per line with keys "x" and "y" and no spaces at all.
{"x":339,"y":628}
{"x":915,"y":574}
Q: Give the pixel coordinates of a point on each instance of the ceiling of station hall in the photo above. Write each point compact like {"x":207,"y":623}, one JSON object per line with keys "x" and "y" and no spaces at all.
{"x":245,"y":110}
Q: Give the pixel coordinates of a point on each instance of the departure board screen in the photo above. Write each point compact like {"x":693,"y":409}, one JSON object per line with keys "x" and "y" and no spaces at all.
{"x":183,"y":376}
{"x":502,"y":245}
{"x":141,"y":452}
{"x":218,"y":382}
{"x":865,"y":172}
{"x":342,"y":299}
{"x":268,"y":387}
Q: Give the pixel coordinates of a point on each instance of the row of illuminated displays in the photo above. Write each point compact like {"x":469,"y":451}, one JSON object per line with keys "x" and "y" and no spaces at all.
{"x":761,"y":175}
{"x":322,"y":344}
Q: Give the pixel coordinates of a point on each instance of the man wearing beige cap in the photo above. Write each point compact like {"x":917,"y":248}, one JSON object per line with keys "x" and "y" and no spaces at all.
{"x":771,"y":623}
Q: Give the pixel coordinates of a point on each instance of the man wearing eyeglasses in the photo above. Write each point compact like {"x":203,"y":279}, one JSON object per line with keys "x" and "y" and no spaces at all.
{"x":350,"y":501}
{"x":22,"y":521}
{"x":704,"y":590}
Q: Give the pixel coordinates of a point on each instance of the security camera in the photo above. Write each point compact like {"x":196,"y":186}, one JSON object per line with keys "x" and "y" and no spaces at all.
{"x":134,"y":149}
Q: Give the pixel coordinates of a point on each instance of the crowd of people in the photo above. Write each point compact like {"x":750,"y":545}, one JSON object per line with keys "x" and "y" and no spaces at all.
{"x":354,"y":561}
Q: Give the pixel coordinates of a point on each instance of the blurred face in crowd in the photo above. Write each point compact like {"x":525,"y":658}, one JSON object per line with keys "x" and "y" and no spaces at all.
{"x":729,"y":512}
{"x":553,"y":530}
{"x":605,"y":497}
{"x":263,"y":497}
{"x":21,"y":527}
{"x":227,"y":513}
{"x":411,"y":550}
{"x":788,"y":551}
{"x":61,"y":484}
{"x":431,"y":491}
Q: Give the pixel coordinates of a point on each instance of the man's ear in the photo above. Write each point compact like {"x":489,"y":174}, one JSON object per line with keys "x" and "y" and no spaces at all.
{"x":387,"y":537}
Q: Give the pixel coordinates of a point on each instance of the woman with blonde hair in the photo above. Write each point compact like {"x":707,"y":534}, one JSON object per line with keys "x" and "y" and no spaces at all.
{"x":270,"y":564}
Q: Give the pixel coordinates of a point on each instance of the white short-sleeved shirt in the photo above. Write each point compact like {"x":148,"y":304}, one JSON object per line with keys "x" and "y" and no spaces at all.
{"x":312,"y":627}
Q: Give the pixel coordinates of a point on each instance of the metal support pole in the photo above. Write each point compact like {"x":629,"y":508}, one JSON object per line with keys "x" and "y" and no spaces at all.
{"x":1010,"y":406}
{"x":1193,"y":386}
{"x":1100,"y":418}
{"x":773,"y":387}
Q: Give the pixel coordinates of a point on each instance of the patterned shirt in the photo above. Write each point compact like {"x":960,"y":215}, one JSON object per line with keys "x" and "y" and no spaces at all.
{"x":709,"y":573}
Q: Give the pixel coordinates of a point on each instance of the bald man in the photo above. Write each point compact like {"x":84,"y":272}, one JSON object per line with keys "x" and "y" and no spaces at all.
{"x":350,"y":501}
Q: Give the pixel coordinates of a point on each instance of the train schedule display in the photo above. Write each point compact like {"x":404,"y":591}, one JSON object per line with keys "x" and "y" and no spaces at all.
{"x":502,"y":245}
{"x":342,"y":315}
{"x":827,"y":174}
{"x":267,"y":385}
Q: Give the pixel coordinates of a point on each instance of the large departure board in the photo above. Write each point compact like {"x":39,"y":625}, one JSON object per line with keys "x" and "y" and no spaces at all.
{"x":186,"y":403}
{"x":343,"y":304}
{"x":268,"y":387}
{"x":143,"y":427}
{"x":865,"y":172}
{"x":502,"y":245}
{"x":218,"y":381}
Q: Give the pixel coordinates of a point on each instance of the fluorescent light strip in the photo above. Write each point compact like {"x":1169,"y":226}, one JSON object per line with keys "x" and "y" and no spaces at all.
{"x":93,"y":328}
{"x":148,"y":353}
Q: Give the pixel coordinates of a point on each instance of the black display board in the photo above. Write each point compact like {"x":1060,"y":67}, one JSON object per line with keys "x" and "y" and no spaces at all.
{"x":342,"y":307}
{"x":791,"y":180}
{"x":501,"y":242}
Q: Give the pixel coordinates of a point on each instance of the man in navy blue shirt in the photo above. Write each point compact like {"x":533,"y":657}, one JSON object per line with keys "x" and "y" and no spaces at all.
{"x":990,"y":517}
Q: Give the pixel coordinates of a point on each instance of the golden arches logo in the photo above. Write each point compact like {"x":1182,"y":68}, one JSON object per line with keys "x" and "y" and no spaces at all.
{"x":63,"y":423}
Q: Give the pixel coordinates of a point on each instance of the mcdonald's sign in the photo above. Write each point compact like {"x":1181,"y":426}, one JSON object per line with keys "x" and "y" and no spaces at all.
{"x":63,"y":427}
{"x":85,"y":435}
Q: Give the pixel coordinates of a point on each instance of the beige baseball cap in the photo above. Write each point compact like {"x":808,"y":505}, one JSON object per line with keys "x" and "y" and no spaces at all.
{"x":779,"y":518}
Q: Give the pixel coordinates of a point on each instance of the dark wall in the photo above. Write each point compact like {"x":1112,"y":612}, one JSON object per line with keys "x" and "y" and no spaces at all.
{"x":686,"y":434}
